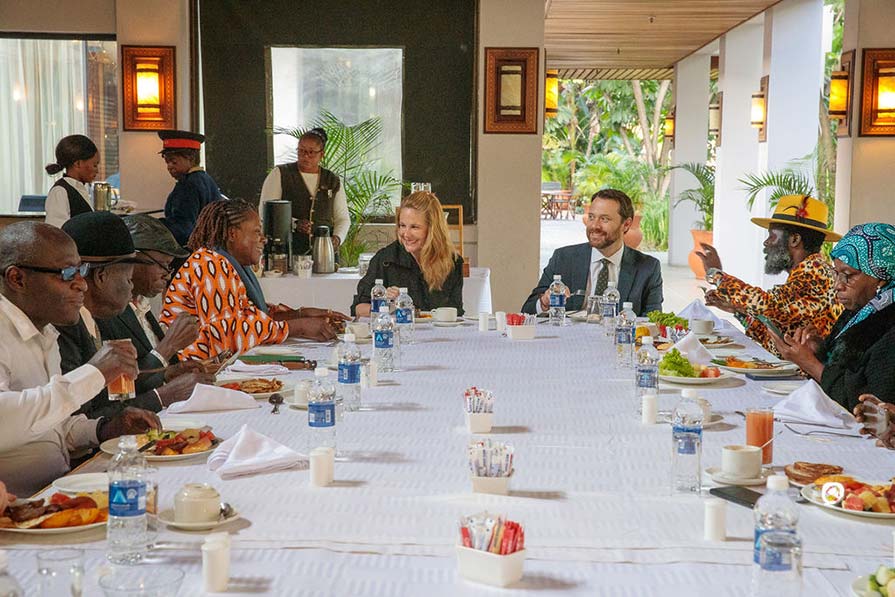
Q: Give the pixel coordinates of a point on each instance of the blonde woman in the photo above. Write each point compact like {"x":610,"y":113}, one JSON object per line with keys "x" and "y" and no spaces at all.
{"x":422,"y":259}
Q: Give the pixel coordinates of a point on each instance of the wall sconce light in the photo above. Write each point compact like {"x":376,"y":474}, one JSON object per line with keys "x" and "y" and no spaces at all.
{"x":841,"y":89}
{"x":551,"y":93}
{"x":878,"y":93}
{"x":148,"y":88}
{"x":668,"y":126}
{"x":758,"y":114}
{"x":715,"y":117}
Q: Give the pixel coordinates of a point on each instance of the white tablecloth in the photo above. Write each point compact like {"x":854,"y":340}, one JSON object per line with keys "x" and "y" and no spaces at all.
{"x":591,"y":485}
{"x":336,"y":291}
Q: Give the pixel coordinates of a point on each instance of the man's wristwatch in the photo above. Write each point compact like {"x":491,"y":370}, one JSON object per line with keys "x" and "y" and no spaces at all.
{"x":713,"y":275}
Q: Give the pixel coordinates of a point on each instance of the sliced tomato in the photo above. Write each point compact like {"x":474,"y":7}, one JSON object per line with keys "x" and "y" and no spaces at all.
{"x":59,"y":499}
{"x":853,"y":501}
{"x":231,"y":386}
{"x":710,"y":372}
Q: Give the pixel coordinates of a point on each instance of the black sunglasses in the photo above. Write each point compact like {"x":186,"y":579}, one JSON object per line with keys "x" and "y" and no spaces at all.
{"x":68,"y":273}
{"x":166,"y":267}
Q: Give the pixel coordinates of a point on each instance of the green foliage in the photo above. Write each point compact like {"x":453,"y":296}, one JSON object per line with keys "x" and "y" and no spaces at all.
{"x":654,"y":223}
{"x":702,"y":197}
{"x":368,"y":191}
{"x":788,"y":181}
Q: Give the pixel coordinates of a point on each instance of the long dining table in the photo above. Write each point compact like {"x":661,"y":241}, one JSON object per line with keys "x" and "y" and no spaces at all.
{"x":591,"y":484}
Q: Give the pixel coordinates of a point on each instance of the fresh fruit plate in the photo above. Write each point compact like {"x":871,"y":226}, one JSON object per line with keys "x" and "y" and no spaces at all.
{"x":56,"y":515}
{"x":751,"y":365}
{"x":184,"y":444}
{"x":846,"y":495}
{"x":695,"y":381}
{"x":257,"y":387}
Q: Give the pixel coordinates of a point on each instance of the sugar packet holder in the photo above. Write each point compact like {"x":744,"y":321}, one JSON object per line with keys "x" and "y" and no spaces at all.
{"x":491,"y":466}
{"x":491,"y":550}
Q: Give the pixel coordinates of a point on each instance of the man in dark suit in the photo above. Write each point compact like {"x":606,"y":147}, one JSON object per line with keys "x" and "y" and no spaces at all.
{"x":156,"y":250}
{"x":591,"y":266}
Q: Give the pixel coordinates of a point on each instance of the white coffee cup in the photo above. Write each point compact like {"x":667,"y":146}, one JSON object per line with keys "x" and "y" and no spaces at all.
{"x":702,"y":326}
{"x":300,"y":392}
{"x":197,"y":502}
{"x":741,"y":462}
{"x":445,"y":314}
{"x":361,"y":330}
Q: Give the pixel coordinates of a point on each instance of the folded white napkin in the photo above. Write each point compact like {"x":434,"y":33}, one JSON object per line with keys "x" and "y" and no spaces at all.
{"x":249,"y":452}
{"x":693,"y":348}
{"x":698,"y":310}
{"x":261,"y":369}
{"x":205,"y":397}
{"x":809,"y":404}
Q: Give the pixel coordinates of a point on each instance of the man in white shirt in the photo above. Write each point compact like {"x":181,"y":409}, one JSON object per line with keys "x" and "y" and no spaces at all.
{"x":42,"y":284}
{"x":587,"y":268}
{"x":317,"y":195}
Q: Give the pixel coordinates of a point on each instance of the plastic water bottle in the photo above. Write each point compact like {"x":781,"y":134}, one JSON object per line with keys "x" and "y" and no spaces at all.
{"x":349,"y":374}
{"x":646,"y":370}
{"x":611,"y":299}
{"x":557,"y":311}
{"x":384,"y":341}
{"x":404,"y":318}
{"x":624,"y":337}
{"x":8,"y":585}
{"x":774,"y":511}
{"x":321,"y":412}
{"x":686,"y":446}
{"x":126,"y":535}
{"x":377,"y":296}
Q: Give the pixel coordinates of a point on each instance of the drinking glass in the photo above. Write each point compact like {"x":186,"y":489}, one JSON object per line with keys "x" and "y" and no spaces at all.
{"x":150,"y":477}
{"x":759,"y":429}
{"x":61,"y":572}
{"x":594,"y":309}
{"x":121,"y":388}
{"x":779,"y":569}
{"x":141,"y":581}
{"x":303,"y":265}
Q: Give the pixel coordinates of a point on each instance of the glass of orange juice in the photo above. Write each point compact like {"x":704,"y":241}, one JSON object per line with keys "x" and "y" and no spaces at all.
{"x":760,"y":429}
{"x":121,"y":388}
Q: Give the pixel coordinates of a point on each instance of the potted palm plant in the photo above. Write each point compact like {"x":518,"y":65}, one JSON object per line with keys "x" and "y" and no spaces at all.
{"x":703,"y":197}
{"x":348,"y":153}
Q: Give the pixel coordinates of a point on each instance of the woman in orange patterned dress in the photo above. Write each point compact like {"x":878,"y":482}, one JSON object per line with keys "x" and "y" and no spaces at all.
{"x":216,"y":284}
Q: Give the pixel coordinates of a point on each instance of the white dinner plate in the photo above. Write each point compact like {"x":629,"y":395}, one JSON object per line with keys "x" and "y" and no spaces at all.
{"x":717,"y":341}
{"x":82,"y":483}
{"x":812,"y":494}
{"x":784,"y":368}
{"x":287,"y":386}
{"x":275,"y":349}
{"x":783,"y":388}
{"x":448,"y":324}
{"x":475,"y":318}
{"x":714,"y":419}
{"x":860,"y":588}
{"x":719,"y":477}
{"x":59,"y":531}
{"x":167,"y":517}
{"x":695,"y":381}
{"x":110,"y":447}
{"x":178,"y":423}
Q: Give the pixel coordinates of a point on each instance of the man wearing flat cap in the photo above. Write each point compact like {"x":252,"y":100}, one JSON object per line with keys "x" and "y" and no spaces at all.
{"x":796,"y":231}
{"x":316,"y":194}
{"x":156,"y":349}
{"x":104,"y":242}
{"x":194,"y":188}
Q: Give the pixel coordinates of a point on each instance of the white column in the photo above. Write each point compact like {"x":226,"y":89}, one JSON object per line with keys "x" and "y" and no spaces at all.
{"x":740,"y":72}
{"x":509,"y":166}
{"x":691,"y":129}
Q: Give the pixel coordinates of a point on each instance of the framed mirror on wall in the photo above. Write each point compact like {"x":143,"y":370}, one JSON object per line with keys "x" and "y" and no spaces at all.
{"x":511,"y":90}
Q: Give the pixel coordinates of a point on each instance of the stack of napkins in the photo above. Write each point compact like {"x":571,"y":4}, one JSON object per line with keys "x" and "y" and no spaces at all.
{"x":205,"y":397}
{"x":248,"y":452}
{"x":693,"y":348}
{"x":809,"y":404}
{"x":257,"y":370}
{"x":698,"y":310}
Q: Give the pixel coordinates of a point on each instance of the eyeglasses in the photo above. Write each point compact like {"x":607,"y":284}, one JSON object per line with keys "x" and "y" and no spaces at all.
{"x":309,"y":152}
{"x":164,"y":266}
{"x":67,"y":273}
{"x":844,"y":278}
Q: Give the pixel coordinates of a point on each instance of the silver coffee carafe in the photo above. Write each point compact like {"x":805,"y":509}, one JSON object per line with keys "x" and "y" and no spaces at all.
{"x":323,"y":252}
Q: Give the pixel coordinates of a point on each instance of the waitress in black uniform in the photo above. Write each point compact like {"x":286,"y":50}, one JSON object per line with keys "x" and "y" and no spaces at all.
{"x":68,"y":197}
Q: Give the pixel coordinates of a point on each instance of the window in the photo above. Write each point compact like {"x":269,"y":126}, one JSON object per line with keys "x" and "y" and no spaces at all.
{"x":50,"y":88}
{"x":352,"y":84}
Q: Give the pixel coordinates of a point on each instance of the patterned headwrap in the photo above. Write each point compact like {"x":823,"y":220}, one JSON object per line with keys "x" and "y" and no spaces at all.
{"x":870,"y":249}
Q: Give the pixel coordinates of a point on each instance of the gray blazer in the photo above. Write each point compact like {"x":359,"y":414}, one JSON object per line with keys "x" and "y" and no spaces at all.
{"x":639,"y":278}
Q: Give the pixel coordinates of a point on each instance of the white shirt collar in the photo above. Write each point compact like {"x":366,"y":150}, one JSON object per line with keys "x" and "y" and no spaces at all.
{"x":77,"y":184}
{"x":23,"y":324}
{"x":90,"y":322}
{"x":615,"y":259}
{"x":141,"y":306}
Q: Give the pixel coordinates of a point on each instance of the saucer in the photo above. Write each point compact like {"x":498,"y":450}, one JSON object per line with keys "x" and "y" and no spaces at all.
{"x":718,"y":477}
{"x":447,"y":324}
{"x":167,"y":517}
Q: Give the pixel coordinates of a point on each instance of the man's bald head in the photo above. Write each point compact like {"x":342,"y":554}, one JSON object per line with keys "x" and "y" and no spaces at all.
{"x":28,"y":243}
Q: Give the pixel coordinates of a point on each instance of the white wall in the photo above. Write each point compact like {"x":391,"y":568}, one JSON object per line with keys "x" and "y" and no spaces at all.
{"x":58,"y":16}
{"x":691,"y":130}
{"x":509,"y":166}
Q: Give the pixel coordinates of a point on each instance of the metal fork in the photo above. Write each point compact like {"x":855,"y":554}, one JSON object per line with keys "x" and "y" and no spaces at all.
{"x":820,"y":431}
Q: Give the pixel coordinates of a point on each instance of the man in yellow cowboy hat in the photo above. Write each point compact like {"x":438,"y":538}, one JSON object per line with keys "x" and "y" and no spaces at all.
{"x":796,"y":231}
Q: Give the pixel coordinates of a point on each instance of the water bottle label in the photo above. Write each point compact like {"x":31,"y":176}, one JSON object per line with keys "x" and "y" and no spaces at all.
{"x":127,"y":498}
{"x":624,"y":335}
{"x":321,"y":414}
{"x":349,"y":372}
{"x":378,"y":302}
{"x":686,"y":439}
{"x":609,"y":310}
{"x":404,"y":315}
{"x":647,"y":377}
{"x":383,"y":339}
{"x":774,"y":560}
{"x":557,"y":299}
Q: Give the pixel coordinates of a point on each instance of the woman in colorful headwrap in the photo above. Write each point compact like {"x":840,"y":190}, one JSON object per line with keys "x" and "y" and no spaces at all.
{"x":858,"y":356}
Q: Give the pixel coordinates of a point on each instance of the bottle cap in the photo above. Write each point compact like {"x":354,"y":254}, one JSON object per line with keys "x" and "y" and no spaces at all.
{"x":556,"y":277}
{"x":628,"y":305}
{"x":646,"y":340}
{"x":379,"y":281}
{"x":321,"y":372}
{"x":350,"y":337}
{"x":689,"y":393}
{"x":402,"y":290}
{"x":778,"y":483}
{"x":383,"y":308}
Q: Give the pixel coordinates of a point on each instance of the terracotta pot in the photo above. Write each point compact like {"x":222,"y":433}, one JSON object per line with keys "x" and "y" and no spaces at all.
{"x":699,"y":236}
{"x":634,"y":235}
